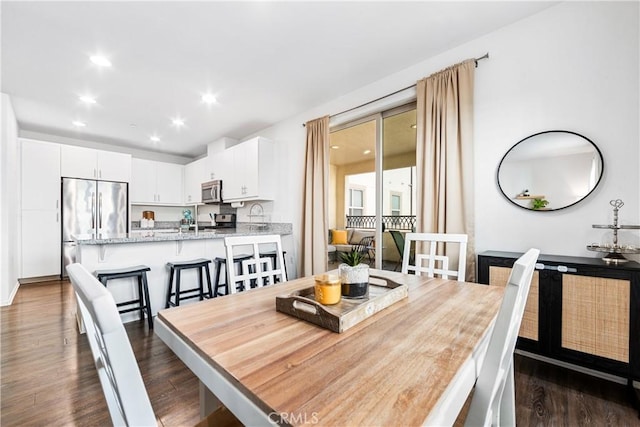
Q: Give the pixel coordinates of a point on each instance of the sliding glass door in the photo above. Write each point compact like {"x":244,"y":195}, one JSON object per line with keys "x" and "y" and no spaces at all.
{"x":372,"y":176}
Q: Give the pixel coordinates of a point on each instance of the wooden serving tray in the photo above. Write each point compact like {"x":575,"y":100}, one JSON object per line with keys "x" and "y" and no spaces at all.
{"x":348,"y":312}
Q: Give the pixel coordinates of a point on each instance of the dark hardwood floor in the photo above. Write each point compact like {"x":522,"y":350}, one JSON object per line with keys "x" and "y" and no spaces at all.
{"x":48,"y":377}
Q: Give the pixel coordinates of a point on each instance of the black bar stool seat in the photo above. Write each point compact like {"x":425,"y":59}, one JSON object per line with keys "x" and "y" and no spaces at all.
{"x":219,"y":262}
{"x":199,"y":292}
{"x":142,"y":303}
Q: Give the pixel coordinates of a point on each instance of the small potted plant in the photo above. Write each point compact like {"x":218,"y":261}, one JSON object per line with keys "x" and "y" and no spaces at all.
{"x":354,"y":275}
{"x":538,"y":204}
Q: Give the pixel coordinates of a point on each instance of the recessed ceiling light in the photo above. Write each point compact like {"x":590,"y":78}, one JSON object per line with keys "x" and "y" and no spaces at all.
{"x":208,"y":99}
{"x":178,"y":122}
{"x":366,"y":152}
{"x":335,"y":147}
{"x":154,"y":138}
{"x":100,"y":61}
{"x":78,"y":123}
{"x":87,"y":99}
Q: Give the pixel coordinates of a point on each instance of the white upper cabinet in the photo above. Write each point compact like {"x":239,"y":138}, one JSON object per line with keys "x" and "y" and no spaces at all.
{"x":217,"y":166}
{"x":195,"y":173}
{"x":40,"y":175}
{"x":157,"y":183}
{"x":114,"y":166}
{"x":87,"y":163}
{"x":251,"y":173}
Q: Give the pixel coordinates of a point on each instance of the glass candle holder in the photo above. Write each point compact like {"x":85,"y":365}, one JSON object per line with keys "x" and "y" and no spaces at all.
{"x":327,"y":289}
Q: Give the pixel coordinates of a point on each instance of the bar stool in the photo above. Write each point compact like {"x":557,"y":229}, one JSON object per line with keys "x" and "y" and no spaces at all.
{"x":219,"y":262}
{"x":274,"y":256}
{"x":143,"y":303}
{"x":176,"y":268}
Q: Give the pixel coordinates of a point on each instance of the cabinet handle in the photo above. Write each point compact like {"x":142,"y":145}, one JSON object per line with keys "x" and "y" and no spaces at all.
{"x":57,"y":217}
{"x":95,"y":173}
{"x":559,"y":268}
{"x":100,"y":173}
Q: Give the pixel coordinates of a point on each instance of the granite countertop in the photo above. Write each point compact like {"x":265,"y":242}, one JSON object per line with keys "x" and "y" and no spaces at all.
{"x":164,"y":235}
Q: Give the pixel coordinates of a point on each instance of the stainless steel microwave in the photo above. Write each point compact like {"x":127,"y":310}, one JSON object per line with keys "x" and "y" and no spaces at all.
{"x":212,"y":192}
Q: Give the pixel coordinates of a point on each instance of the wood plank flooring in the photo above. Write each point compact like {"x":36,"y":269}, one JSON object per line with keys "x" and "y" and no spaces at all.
{"x":48,"y":377}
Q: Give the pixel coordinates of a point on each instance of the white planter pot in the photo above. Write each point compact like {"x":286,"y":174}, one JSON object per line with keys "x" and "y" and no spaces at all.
{"x":355,"y":280}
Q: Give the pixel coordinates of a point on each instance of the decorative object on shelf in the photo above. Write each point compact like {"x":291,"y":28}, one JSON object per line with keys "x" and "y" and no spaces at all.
{"x":187,"y":219}
{"x":615,"y":250}
{"x":539,"y":203}
{"x":559,"y":165}
{"x":354,"y":275}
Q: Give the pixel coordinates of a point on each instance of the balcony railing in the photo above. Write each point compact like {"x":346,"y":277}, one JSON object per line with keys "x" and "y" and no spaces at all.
{"x":391,"y":222}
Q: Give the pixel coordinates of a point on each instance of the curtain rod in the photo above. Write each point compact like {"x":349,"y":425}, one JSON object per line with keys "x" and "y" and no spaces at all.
{"x":485,"y":56}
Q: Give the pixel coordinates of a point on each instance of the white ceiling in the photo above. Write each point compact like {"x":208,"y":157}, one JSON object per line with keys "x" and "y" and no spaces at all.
{"x":264,"y":61}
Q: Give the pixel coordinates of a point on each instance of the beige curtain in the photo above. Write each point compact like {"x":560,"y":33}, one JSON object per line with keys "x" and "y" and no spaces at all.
{"x":445,"y":155}
{"x":314,"y":216}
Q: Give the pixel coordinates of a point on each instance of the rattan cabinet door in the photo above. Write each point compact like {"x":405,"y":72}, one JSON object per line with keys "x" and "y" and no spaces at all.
{"x":595,"y":316}
{"x":529,"y":327}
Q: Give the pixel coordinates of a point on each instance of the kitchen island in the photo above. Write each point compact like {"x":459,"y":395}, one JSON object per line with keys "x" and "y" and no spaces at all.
{"x":154,"y":248}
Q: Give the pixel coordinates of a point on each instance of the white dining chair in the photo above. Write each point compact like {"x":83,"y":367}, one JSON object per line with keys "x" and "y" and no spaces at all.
{"x":493,"y":401}
{"x":428,"y":258}
{"x":122,"y":384}
{"x":118,"y":371}
{"x":262,"y":266}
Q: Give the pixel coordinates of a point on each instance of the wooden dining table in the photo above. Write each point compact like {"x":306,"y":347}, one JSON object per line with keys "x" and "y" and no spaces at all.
{"x":413,"y":363}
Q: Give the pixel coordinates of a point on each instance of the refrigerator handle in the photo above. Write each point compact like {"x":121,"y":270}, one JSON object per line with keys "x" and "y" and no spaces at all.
{"x":99,"y":210}
{"x":93,"y":210}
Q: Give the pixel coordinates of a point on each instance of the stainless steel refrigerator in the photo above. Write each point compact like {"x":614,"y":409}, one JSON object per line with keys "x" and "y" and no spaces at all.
{"x":91,"y":207}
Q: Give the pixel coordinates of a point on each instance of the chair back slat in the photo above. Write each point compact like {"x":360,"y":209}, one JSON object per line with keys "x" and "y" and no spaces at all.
{"x":258,"y":268}
{"x":122,"y":384}
{"x":430,"y":257}
{"x":497,"y":367}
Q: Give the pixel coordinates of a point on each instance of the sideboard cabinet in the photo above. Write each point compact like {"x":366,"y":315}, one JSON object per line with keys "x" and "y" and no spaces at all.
{"x":580,"y":310}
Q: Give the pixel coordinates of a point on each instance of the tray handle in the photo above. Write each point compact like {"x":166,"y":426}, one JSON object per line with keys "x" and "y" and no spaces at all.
{"x":306,"y":305}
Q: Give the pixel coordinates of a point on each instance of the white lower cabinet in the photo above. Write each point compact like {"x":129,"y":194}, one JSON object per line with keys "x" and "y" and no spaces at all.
{"x":40,"y":243}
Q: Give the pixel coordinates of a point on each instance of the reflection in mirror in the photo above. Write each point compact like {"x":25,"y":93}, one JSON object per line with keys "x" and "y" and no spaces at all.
{"x":550,"y":170}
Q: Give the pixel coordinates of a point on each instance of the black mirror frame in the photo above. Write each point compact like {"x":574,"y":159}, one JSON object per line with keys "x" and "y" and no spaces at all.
{"x":541,"y":133}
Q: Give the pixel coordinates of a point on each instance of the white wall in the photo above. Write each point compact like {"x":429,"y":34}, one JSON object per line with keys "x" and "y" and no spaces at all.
{"x":573,"y":67}
{"x":9,"y":204}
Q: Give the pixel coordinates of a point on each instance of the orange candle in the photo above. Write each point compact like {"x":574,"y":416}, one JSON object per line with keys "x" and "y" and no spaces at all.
{"x":327,"y":289}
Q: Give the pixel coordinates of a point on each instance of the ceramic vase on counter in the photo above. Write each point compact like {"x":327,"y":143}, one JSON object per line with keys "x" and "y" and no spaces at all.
{"x":355,"y":280}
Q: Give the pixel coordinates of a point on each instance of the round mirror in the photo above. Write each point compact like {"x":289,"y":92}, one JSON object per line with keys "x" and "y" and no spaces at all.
{"x":550,"y":170}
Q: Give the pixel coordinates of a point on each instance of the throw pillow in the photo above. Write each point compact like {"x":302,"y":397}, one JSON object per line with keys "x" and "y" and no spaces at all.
{"x":339,"y":237}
